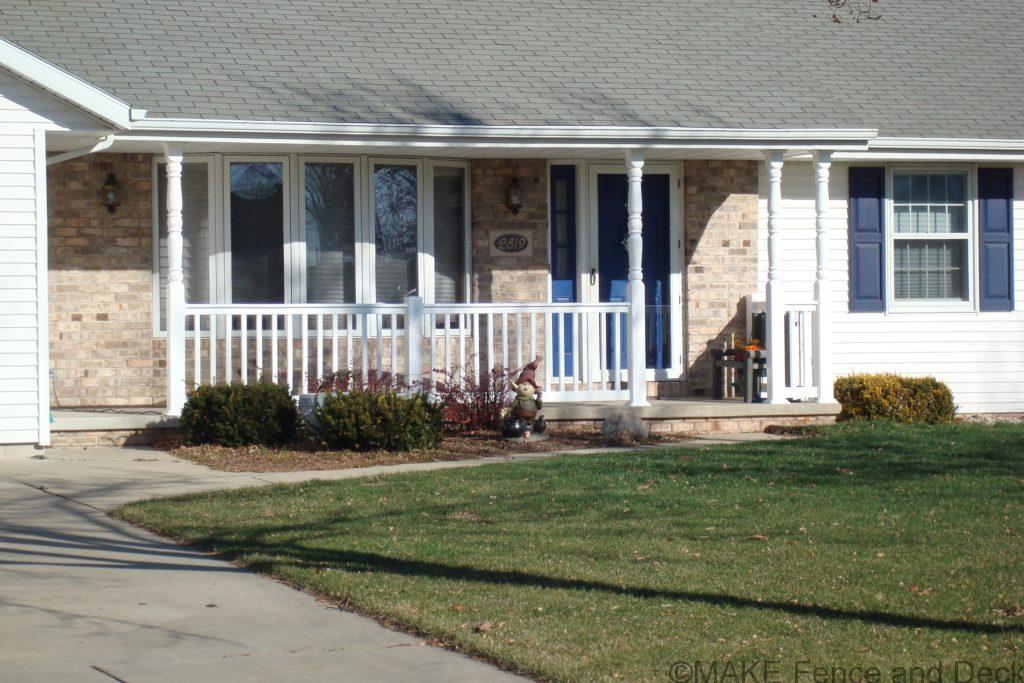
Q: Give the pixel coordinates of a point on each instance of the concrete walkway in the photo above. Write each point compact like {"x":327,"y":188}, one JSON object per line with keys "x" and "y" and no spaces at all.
{"x":84,"y":597}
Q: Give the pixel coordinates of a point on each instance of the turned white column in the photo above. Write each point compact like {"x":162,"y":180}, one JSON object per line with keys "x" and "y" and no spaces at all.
{"x":775,"y":294}
{"x":637,"y":299}
{"x":175,"y":287}
{"x":414,"y":344}
{"x":823,"y":374}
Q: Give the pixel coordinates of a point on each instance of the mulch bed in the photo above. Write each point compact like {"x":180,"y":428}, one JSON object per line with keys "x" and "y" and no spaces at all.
{"x":454,"y":447}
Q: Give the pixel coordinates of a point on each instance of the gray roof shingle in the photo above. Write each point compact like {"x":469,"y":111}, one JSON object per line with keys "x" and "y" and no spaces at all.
{"x":943,"y":68}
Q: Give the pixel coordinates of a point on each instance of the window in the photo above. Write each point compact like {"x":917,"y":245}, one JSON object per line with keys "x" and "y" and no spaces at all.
{"x":330,"y":232}
{"x":449,"y":234}
{"x":362,"y":230}
{"x":931,"y":237}
{"x":195,"y":232}
{"x":256,"y":215}
{"x":396,"y":230}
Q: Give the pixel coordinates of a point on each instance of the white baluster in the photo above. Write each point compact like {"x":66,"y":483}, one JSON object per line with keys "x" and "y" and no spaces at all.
{"x":289,"y":333}
{"x":259,"y":349}
{"x":319,"y":348}
{"x":504,"y":341}
{"x":243,"y":341}
{"x":273,"y":349}
{"x":214,"y":322}
{"x":229,"y":338}
{"x":197,"y":345}
{"x":334,"y":343}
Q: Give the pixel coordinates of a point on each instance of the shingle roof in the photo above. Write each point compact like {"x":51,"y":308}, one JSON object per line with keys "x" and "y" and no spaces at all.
{"x":943,"y":68}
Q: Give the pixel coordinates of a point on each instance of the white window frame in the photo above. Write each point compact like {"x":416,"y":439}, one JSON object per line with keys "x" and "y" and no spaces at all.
{"x":299,"y":257}
{"x":370,"y":225}
{"x":218,"y":172}
{"x":289,"y":224}
{"x":428,"y":252}
{"x":971,"y":258}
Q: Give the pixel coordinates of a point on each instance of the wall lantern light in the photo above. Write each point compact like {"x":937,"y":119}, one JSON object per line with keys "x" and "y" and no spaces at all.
{"x":514,"y":195}
{"x":110,"y":198}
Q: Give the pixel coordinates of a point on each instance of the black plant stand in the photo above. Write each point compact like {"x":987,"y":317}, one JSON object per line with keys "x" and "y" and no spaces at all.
{"x":753,"y":365}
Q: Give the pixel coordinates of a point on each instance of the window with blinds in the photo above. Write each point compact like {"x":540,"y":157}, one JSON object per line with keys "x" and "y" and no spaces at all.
{"x":449,"y":234}
{"x":931,"y":239}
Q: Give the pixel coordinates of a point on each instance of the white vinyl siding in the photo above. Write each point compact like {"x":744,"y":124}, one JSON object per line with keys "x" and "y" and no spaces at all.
{"x":25,"y":112}
{"x":977,"y":354}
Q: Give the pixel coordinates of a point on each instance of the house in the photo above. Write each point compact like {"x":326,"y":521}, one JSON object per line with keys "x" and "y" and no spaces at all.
{"x":201,"y":192}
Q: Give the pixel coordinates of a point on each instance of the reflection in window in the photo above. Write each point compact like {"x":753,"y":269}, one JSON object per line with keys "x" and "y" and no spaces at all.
{"x":449,"y":234}
{"x":330,"y":233}
{"x":257,"y":232}
{"x":395,"y":226}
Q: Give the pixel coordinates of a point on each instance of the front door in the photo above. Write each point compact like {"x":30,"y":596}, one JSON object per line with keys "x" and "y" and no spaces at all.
{"x":613,"y":260}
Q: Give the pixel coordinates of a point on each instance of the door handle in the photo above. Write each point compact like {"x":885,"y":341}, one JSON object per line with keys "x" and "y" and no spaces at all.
{"x":593,"y":276}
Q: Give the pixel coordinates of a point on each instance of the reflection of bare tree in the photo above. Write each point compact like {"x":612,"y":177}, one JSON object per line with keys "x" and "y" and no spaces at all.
{"x":330,"y":233}
{"x":330,"y":211}
{"x":256,"y":180}
{"x":394,"y":190}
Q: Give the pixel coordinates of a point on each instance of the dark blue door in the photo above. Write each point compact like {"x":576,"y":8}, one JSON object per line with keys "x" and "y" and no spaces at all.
{"x":563,"y":259}
{"x":613,"y":261}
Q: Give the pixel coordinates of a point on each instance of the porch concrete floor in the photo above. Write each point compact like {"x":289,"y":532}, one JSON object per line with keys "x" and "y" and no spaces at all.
{"x":149,"y":417}
{"x":117,"y":418}
{"x":687,"y":408}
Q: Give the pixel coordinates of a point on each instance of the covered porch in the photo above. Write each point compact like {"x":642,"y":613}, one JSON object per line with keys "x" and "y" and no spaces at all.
{"x":395,"y":312}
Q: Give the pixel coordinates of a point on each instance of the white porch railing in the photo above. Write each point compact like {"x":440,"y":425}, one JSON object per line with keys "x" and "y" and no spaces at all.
{"x":799,"y":335}
{"x":581,"y":347}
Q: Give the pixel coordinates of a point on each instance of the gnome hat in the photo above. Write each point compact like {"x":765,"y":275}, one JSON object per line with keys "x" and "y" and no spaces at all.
{"x":529,"y":374}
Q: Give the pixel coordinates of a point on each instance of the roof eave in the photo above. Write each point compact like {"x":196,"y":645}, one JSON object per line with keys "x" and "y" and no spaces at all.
{"x":65,"y":85}
{"x":435,"y":135}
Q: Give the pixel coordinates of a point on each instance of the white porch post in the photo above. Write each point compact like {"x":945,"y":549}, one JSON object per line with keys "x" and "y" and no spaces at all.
{"x":775,"y":295}
{"x":414,"y":344}
{"x":175,"y":287}
{"x":637,"y":300}
{"x":823,"y":375}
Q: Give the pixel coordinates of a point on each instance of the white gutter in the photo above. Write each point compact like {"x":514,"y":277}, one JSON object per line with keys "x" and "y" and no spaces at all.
{"x":948,"y":144}
{"x":517,"y":137}
{"x":100,"y":145}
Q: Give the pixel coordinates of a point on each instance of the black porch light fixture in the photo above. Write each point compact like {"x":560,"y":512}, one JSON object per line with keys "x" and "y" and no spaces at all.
{"x":109,"y":193}
{"x":514,"y":195}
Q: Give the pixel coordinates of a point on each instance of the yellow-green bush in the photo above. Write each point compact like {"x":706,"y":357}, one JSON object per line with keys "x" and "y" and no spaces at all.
{"x":893,"y":397}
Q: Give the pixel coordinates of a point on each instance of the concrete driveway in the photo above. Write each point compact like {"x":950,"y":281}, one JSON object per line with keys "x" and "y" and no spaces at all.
{"x":87,"y":598}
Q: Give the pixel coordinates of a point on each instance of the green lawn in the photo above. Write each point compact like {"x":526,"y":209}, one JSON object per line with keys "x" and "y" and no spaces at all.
{"x":860,"y":546}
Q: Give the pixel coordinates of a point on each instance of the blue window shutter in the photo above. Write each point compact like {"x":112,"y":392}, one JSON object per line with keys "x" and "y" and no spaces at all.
{"x":867,"y":239}
{"x":995,"y":210}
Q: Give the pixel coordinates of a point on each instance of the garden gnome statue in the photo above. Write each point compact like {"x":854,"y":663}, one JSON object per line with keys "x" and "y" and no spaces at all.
{"x":527,"y":403}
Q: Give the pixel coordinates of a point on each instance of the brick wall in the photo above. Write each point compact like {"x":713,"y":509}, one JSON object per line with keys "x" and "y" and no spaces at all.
{"x":720,"y":224}
{"x":102,"y":350}
{"x":514,"y":277}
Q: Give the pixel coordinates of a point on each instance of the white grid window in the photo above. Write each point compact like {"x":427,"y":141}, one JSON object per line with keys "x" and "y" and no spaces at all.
{"x":931,"y":236}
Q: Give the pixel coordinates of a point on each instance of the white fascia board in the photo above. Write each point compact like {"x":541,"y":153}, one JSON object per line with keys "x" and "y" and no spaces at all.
{"x":948,"y":144}
{"x":280,"y":132}
{"x":64,"y":84}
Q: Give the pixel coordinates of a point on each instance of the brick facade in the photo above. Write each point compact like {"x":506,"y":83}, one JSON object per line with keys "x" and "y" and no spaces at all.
{"x":720,"y":227}
{"x":513,"y":278}
{"x":102,"y":349}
